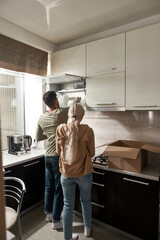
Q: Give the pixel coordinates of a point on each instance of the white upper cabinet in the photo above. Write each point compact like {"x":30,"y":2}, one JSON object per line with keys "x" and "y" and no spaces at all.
{"x":105,"y":85}
{"x":143,"y":68}
{"x":106,"y":55}
{"x":71,"y":61}
{"x":106,"y":92}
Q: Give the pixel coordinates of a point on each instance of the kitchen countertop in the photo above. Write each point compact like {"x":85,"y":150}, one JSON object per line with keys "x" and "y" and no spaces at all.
{"x":151,"y":171}
{"x":9,"y":160}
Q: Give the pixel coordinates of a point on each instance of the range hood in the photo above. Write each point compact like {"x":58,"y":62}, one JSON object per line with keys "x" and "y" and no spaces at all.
{"x":63,"y":78}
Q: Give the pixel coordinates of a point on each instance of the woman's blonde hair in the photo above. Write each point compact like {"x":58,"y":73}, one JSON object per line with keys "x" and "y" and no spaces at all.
{"x":75,"y":115}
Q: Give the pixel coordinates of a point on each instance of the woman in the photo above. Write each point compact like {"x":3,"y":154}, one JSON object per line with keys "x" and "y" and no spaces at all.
{"x":75,"y":145}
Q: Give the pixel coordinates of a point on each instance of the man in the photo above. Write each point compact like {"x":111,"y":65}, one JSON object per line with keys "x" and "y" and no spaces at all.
{"x":46,"y":129}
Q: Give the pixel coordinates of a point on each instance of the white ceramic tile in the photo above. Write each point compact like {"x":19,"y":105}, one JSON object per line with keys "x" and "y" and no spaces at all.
{"x":131,"y":125}
{"x":150,"y":119}
{"x":104,"y":125}
{"x":101,"y":144}
{"x":89,"y":114}
{"x":89,"y":122}
{"x":88,"y":119}
{"x":151,"y":126}
{"x":128,"y":125}
{"x":102,"y":141}
{"x":108,"y":115}
{"x":104,"y":130}
{"x":151,"y":135}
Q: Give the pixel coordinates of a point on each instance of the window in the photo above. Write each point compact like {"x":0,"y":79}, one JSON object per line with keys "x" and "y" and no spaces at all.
{"x":12,"y":105}
{"x":20,"y":104}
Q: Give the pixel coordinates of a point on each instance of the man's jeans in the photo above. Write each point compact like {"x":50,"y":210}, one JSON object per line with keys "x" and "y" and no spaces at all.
{"x":53,"y":199}
{"x":69,"y":187}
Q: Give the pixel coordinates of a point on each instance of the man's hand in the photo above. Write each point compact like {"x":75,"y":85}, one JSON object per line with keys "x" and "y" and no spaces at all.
{"x":78,"y":99}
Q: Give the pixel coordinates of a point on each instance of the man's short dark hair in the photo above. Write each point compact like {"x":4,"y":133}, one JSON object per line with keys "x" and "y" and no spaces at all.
{"x":49,"y":98}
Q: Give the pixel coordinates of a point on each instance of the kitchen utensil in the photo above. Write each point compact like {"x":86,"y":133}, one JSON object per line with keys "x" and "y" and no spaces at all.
{"x":27,"y":142}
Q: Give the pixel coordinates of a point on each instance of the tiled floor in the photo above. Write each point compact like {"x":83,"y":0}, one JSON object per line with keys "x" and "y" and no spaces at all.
{"x":34,"y":227}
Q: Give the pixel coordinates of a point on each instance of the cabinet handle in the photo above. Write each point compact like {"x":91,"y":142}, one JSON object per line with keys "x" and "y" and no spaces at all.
{"x":106,"y":103}
{"x":98,"y":184}
{"x":30,"y":164}
{"x":98,"y":205}
{"x":100,"y":173}
{"x":105,"y":70}
{"x":146,"y":106}
{"x":135,"y":181}
{"x":7,"y":171}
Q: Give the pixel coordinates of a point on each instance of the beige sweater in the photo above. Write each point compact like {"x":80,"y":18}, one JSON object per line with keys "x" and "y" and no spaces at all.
{"x":82,"y":163}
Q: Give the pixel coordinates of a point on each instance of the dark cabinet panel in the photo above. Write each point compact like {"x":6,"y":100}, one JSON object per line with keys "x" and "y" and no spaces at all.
{"x":99,"y":176}
{"x":111,"y":199}
{"x":126,"y":202}
{"x":33,"y":175}
{"x":98,"y":211}
{"x":132,"y":204}
{"x":137,"y":206}
{"x":98,"y":195}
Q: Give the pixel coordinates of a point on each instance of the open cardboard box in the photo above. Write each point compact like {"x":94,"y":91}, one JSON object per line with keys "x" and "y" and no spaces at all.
{"x":129,"y":155}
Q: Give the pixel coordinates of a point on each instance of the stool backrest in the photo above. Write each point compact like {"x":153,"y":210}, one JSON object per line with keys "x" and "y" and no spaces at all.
{"x":14,"y":192}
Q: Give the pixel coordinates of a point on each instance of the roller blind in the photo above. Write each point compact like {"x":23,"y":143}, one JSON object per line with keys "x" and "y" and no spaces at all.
{"x":21,"y":57}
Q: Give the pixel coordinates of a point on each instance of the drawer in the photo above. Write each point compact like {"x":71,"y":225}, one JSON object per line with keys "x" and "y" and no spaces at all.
{"x":98,"y":193}
{"x":99,"y":176}
{"x":98,"y":211}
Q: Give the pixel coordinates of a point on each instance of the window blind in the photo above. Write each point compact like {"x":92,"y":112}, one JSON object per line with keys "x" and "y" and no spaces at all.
{"x":21,"y":57}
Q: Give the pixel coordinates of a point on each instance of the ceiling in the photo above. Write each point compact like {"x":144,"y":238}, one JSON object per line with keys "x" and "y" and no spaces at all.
{"x":61,"y":21}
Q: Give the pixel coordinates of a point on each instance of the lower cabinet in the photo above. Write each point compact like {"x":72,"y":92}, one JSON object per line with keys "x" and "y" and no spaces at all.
{"x":126,"y":202}
{"x":33,"y":175}
{"x":137,"y":206}
{"x":98,"y":196}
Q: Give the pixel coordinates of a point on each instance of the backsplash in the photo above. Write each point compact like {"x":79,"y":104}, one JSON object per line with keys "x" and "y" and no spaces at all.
{"x":128,"y":125}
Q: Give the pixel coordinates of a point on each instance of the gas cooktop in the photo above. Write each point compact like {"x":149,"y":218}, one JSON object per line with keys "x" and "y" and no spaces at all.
{"x":100,"y":159}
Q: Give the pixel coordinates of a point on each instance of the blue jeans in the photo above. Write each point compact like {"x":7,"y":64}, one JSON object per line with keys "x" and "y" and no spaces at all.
{"x":69,"y":187}
{"x":53,"y":197}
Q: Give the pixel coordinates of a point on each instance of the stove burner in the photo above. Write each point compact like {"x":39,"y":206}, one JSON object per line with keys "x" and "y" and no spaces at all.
{"x":101,"y":159}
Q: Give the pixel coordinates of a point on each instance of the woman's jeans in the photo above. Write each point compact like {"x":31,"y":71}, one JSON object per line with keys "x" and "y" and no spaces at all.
{"x":69,"y":188}
{"x":53,"y":197}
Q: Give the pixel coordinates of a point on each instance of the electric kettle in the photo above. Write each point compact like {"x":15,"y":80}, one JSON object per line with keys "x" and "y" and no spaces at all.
{"x":27,"y":142}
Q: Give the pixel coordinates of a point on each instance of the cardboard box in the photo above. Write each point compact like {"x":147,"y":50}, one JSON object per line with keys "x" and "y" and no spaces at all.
{"x":129,"y":155}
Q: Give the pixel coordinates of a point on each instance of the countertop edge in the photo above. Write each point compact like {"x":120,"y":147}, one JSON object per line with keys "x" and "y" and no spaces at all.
{"x":23,"y":161}
{"x":9,"y":160}
{"x":142,"y":174}
{"x":151,"y":172}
